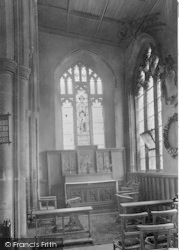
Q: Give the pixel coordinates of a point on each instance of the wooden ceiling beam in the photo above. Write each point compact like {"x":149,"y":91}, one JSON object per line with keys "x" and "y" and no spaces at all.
{"x":102,"y":17}
{"x":79,"y":13}
{"x":68,"y":14}
{"x":78,"y":36}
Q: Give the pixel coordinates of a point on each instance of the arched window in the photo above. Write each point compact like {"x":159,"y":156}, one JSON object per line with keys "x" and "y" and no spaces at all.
{"x":81,"y":96}
{"x":148,"y":106}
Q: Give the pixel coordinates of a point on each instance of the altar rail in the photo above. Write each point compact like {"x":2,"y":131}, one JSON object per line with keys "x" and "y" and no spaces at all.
{"x":155,"y":186}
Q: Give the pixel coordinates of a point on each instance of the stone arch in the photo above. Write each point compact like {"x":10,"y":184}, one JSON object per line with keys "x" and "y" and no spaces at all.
{"x":99,"y":65}
{"x":134,"y":52}
{"x":132,"y":56}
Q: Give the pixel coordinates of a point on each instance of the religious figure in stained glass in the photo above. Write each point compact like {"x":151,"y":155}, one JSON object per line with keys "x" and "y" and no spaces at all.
{"x":81,"y":92}
{"x":82,"y":118}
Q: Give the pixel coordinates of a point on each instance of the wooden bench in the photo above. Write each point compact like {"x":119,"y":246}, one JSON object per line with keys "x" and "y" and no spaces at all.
{"x":146,"y":205}
{"x":62,"y":229}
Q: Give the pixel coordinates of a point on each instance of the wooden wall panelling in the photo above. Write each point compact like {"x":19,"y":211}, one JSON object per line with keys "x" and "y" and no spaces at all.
{"x":155,"y":186}
{"x":172,"y":187}
{"x":55,"y":177}
{"x":167,"y":188}
{"x":103,"y":160}
{"x":69,"y":162}
{"x":162,"y":188}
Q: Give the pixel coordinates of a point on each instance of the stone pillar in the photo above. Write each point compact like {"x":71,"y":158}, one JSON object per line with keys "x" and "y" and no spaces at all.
{"x":24,"y":73}
{"x":7,"y":70}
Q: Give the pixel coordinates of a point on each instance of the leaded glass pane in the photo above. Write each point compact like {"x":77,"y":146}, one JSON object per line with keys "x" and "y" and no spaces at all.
{"x":68,"y":142}
{"x":150,"y":82}
{"x":142,"y":152}
{"x":68,"y":128}
{"x":90,"y":71}
{"x":98,"y":126}
{"x":142,"y":165}
{"x":82,"y":114}
{"x":62,"y":86}
{"x":152,"y":163}
{"x":70,"y":70}
{"x":98,"y":139}
{"x":141,"y":141}
{"x":159,"y":88}
{"x":83,"y":74}
{"x":141,"y":115}
{"x":151,"y":153}
{"x":92,"y":86}
{"x":151,"y":122}
{"x":85,"y":128}
{"x":76,"y":73}
{"x":150,"y":95}
{"x":141,"y":91}
{"x":141,"y":127}
{"x":99,"y":86}
{"x":69,"y":85}
{"x":150,"y":109}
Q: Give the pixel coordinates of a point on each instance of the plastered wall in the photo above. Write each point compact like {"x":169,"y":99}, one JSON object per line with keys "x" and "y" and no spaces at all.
{"x":56,"y":51}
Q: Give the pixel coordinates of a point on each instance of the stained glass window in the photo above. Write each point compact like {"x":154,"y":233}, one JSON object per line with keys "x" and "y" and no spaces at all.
{"x":77,"y":73}
{"x":69,"y":85}
{"x":98,"y":126}
{"x":83,"y":74}
{"x":68,"y":124}
{"x":92,"y":86}
{"x":82,"y":116}
{"x":81,"y":95}
{"x":99,"y":86}
{"x":62,"y":85}
{"x":148,"y":105}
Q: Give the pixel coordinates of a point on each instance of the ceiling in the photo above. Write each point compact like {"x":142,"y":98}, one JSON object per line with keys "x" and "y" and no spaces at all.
{"x":95,"y":20}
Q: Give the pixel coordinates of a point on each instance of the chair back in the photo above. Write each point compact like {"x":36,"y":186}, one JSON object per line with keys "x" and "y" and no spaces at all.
{"x":129,"y":222}
{"x":156,"y":231}
{"x":129,"y":233}
{"x":164,"y":216}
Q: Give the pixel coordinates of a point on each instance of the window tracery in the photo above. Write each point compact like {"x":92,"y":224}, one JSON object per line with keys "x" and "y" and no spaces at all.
{"x":148,"y":111}
{"x":81,"y":95}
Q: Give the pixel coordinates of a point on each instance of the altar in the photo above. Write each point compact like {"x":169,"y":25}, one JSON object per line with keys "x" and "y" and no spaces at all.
{"x":96,"y":191}
{"x":89,"y":173}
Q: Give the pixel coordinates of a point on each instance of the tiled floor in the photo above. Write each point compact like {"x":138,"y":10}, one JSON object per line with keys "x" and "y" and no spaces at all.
{"x":91,"y":247}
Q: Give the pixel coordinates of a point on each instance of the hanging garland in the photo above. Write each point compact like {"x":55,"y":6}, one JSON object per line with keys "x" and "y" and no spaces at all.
{"x":171,"y":150}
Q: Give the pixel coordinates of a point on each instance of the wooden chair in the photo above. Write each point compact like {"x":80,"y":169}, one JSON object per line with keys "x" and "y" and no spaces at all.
{"x":46,"y":202}
{"x":156,"y":231}
{"x":167,"y":216}
{"x":126,"y":197}
{"x":130,"y":236}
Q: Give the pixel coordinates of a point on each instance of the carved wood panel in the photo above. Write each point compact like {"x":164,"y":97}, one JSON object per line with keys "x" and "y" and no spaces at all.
{"x":103,"y":160}
{"x":95,"y":194}
{"x":69,"y":162}
{"x":86,"y":159}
